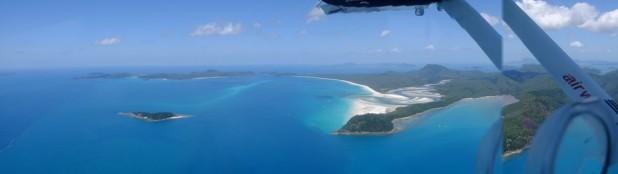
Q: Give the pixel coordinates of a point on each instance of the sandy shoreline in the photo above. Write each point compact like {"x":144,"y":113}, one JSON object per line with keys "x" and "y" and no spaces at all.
{"x":424,"y":94}
{"x":379,"y":103}
{"x":400,"y":124}
{"x":514,"y":153}
{"x":195,"y":78}
{"x":205,"y":78}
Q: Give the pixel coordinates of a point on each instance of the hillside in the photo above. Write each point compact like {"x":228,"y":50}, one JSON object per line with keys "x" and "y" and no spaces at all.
{"x":535,"y":89}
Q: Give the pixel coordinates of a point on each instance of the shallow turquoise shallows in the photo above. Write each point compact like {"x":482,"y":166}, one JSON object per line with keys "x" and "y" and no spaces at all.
{"x":50,"y":123}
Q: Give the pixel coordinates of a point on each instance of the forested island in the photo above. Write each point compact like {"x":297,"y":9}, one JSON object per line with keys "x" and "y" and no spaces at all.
{"x":166,"y":76}
{"x":154,"y":116}
{"x":538,"y":96}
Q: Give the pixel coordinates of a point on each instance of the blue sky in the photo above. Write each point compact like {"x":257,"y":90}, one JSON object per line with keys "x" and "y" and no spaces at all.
{"x":586,"y":30}
{"x":119,"y":33}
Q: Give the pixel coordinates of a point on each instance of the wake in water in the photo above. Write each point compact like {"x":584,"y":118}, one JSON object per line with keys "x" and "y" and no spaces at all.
{"x":7,"y":146}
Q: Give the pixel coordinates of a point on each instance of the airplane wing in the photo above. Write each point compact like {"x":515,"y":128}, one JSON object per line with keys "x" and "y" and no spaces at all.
{"x":467,"y":17}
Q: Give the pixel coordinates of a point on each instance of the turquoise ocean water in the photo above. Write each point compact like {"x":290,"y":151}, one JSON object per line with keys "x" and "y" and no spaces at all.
{"x":50,"y":123}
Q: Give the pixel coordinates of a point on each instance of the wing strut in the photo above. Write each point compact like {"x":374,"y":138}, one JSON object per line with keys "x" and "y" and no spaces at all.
{"x":481,"y":31}
{"x":572,"y":79}
{"x":575,"y":83}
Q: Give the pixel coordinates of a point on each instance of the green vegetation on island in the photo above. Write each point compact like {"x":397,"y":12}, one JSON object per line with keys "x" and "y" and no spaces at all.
{"x":98,"y":75}
{"x":166,"y":76}
{"x":463,"y":84}
{"x":538,"y":96}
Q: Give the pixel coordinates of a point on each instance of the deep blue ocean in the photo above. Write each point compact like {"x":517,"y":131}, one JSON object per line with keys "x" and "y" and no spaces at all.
{"x":51,"y":123}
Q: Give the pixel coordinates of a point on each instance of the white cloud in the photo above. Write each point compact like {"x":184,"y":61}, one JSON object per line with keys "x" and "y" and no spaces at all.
{"x":546,"y":15}
{"x":492,"y":20}
{"x":315,"y":15}
{"x":385,"y":33}
{"x":216,"y":29}
{"x":607,"y":22}
{"x":303,"y":32}
{"x":108,"y":41}
{"x":257,"y":25}
{"x":430,"y":47}
{"x":231,"y":29}
{"x":395,"y":50}
{"x":204,"y":30}
{"x":581,"y":15}
{"x":576,"y":44}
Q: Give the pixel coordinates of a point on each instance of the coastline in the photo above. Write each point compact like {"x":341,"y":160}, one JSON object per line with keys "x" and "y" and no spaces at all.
{"x":366,"y":104}
{"x":194,"y":78}
{"x":399,"y":123}
{"x":205,"y":78}
{"x":132,"y":115}
{"x":365,"y":87}
{"x":380,"y":103}
{"x":511,"y":154}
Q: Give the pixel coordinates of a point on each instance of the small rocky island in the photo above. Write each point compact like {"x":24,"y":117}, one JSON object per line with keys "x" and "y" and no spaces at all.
{"x":154,"y":116}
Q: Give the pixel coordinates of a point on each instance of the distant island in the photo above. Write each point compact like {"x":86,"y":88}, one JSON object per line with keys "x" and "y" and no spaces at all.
{"x":535,"y":92}
{"x":154,"y":116}
{"x":166,"y":76}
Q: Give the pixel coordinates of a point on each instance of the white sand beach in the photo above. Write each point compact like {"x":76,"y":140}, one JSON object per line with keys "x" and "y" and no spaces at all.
{"x":206,"y":78}
{"x":378,"y":103}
